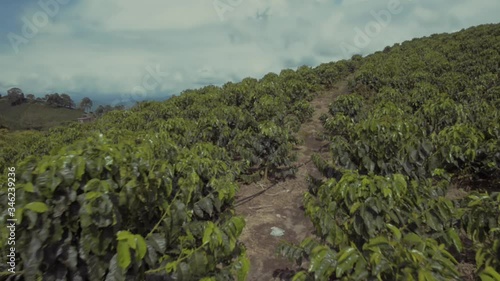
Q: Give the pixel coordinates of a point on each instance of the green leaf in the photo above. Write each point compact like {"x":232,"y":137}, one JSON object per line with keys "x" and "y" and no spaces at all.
{"x":369,"y":222}
{"x":424,"y":275}
{"x":322,"y":263}
{"x":345,"y":254}
{"x":427,"y":146}
{"x":216,"y":237}
{"x":387,"y":192}
{"x":433,"y":222}
{"x":141,"y":247}
{"x":157,"y":242}
{"x":97,"y":269}
{"x":171,"y":266}
{"x":92,"y":195}
{"x":413,"y":238}
{"x":368,"y":163}
{"x":38,"y":207}
{"x":80,"y":167}
{"x":456,"y":239}
{"x":184,"y":271}
{"x":480,"y":257}
{"x":376,"y":242}
{"x":243,"y":267}
{"x":355,"y":207}
{"x":198,"y":261}
{"x":19,"y":215}
{"x":207,"y":233}
{"x":489,"y":274}
{"x":346,"y":261}
{"x":395,"y":231}
{"x":206,"y":205}
{"x":28,"y":187}
{"x":235,"y":226}
{"x":417,"y":256}
{"x":400,"y":182}
{"x":124,"y":258}
{"x":115,"y":272}
{"x":123,"y":235}
{"x":300,"y":276}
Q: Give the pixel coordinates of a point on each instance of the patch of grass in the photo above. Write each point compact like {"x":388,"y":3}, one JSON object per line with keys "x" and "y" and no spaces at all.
{"x":37,"y":116}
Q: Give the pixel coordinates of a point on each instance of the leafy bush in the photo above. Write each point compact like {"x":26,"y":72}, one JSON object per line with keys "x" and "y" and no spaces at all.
{"x":101,"y":210}
{"x":374,"y":227}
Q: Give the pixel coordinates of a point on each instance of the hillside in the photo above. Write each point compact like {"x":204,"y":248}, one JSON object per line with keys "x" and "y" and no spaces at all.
{"x":35,"y":116}
{"x":384,"y":167}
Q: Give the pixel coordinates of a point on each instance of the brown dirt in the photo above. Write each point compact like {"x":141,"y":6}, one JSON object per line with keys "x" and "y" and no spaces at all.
{"x":280,"y":205}
{"x":467,"y":270}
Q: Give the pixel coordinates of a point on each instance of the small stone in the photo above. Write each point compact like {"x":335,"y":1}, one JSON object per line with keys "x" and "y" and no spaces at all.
{"x":277,"y":232}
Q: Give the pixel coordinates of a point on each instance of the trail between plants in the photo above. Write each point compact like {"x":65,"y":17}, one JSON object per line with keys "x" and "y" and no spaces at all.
{"x":279,"y":205}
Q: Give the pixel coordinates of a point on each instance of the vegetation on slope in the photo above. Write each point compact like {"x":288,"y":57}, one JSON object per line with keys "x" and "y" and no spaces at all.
{"x":35,"y":116}
{"x":422,"y":118}
{"x":149,"y":192}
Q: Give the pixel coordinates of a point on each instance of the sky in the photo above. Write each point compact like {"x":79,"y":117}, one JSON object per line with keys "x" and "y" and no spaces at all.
{"x":123,"y":51}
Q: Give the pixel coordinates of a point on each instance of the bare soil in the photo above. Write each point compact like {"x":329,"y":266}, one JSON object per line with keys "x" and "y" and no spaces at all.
{"x":280,"y":204}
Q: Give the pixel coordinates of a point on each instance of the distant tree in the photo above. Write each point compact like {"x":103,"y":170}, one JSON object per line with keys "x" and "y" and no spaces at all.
{"x":67,"y":101}
{"x":15,"y":96}
{"x":54,"y":100}
{"x":100,"y":110}
{"x":107,"y":108}
{"x":30,"y":98}
{"x":86,"y":104}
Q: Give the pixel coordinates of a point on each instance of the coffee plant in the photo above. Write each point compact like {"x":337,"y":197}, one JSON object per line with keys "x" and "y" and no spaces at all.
{"x":98,"y":210}
{"x":421,"y":123}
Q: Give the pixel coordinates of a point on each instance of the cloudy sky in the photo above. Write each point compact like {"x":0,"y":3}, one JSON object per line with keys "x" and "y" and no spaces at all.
{"x":122,"y":50}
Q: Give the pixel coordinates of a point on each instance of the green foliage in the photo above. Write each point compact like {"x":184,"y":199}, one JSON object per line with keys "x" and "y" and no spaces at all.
{"x":459,"y":145}
{"x":349,"y":105}
{"x":270,"y":147}
{"x":363,"y":205}
{"x":422,"y":111}
{"x":408,"y":257}
{"x":481,"y":222}
{"x":15,"y":96}
{"x":218,"y":115}
{"x":149,"y":191}
{"x":329,"y":73}
{"x":380,"y":228}
{"x":384,"y":143}
{"x":423,"y":107}
{"x":35,"y":115}
{"x":123,"y":209}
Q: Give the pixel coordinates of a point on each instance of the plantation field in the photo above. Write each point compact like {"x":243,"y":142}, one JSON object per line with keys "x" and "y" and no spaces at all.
{"x":384,"y":167}
{"x":28,"y":116}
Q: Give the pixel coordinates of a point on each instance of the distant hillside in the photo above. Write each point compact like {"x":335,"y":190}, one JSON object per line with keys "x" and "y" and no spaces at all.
{"x":34,"y":116}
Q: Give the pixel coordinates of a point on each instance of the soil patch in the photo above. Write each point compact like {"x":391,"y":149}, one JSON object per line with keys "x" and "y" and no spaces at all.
{"x":280,"y":205}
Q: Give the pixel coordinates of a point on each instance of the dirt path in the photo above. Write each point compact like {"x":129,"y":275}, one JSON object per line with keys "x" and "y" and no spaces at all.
{"x":280,"y":206}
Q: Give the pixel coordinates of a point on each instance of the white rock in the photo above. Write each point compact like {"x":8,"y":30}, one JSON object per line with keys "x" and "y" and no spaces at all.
{"x":276,"y":231}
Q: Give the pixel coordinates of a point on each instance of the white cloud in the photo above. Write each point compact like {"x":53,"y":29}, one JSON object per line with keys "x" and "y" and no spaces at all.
{"x":106,"y":47}
{"x":119,"y":15}
{"x":426,"y":15}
